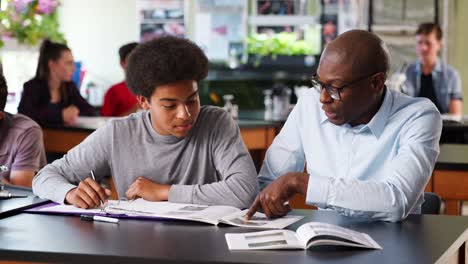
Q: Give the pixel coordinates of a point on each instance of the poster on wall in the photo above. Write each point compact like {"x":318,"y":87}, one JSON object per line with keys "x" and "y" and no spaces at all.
{"x":220,"y":28}
{"x":351,"y":15}
{"x":160,"y":18}
{"x":329,"y":28}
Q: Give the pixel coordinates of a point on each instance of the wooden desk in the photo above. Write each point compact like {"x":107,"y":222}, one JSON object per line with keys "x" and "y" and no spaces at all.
{"x":46,"y":238}
{"x":450,"y":177}
{"x":257,"y":134}
{"x":61,"y":140}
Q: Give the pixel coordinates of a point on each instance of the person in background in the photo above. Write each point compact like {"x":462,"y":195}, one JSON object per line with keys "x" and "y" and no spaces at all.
{"x":21,"y":144}
{"x":51,"y":97}
{"x":119,"y":100}
{"x":429,"y":77}
{"x":175,"y":150}
{"x":369,"y":150}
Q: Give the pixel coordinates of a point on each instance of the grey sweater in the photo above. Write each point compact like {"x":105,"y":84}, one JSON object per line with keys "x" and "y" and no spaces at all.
{"x":209,"y":166}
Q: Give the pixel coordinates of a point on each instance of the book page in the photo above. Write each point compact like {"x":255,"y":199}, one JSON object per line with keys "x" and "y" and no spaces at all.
{"x":202,"y":213}
{"x":260,"y":220}
{"x":272,"y":239}
{"x":315,"y":233}
{"x":140,"y":207}
{"x":143,"y":207}
{"x":216,"y":212}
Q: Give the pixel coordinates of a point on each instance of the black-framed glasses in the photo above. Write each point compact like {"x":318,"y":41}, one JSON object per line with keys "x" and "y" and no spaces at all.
{"x":332,"y":91}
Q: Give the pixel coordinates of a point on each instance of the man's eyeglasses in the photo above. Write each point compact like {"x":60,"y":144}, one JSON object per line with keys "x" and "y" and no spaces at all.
{"x":332,"y":91}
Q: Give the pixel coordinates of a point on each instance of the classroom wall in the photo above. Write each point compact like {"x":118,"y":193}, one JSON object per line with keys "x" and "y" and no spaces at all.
{"x":104,"y":25}
{"x":458,"y":43}
{"x":95,"y":29}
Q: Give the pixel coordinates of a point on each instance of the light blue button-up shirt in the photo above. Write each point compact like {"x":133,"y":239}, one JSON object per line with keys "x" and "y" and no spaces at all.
{"x":378,"y":170}
{"x":446,"y":81}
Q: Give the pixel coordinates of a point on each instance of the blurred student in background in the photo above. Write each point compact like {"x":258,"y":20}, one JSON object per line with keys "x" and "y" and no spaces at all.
{"x":51,"y":97}
{"x":119,"y":100}
{"x":429,"y":77}
{"x":21,"y":144}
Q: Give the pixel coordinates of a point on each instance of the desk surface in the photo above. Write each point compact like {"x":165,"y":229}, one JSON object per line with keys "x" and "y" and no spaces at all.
{"x":13,"y":205}
{"x":419,"y":239}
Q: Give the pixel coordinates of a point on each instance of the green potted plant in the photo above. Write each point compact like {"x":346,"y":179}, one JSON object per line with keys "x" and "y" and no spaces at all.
{"x":23,"y":26}
{"x":29,"y":21}
{"x":280,"y":49}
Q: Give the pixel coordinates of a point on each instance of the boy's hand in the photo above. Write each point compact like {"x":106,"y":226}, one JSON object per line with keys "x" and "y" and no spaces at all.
{"x":88,"y":194}
{"x":148,"y":190}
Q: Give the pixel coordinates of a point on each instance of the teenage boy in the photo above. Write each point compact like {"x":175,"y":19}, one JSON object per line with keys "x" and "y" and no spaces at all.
{"x":175,"y":150}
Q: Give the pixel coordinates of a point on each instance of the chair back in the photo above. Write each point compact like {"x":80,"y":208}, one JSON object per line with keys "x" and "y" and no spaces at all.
{"x":431,"y":204}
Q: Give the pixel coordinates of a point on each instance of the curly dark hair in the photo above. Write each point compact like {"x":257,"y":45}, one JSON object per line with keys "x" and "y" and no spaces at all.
{"x":162,"y":61}
{"x":3,"y":92}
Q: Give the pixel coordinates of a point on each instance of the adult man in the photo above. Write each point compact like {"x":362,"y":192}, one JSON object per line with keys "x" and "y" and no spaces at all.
{"x":175,"y":150}
{"x":369,"y":150}
{"x":21,"y":144}
{"x":119,"y":100}
{"x":429,"y":77}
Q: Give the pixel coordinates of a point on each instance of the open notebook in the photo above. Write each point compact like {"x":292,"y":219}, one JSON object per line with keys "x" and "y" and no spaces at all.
{"x":149,"y":210}
{"x":307,"y":235}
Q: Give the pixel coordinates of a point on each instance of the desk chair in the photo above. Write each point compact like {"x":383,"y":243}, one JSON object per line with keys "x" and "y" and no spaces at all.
{"x":431,"y":204}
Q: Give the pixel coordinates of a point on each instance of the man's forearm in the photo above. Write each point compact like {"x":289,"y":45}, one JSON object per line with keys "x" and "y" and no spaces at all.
{"x":456,"y":107}
{"x":298,"y":182}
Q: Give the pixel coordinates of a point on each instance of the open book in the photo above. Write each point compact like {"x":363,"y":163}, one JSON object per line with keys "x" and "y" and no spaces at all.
{"x":307,"y":235}
{"x":201,"y":213}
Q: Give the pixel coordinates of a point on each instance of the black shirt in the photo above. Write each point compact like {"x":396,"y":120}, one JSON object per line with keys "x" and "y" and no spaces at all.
{"x":427,"y":90}
{"x":35,"y":102}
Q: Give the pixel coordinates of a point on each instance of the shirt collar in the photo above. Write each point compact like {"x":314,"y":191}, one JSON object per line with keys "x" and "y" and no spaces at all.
{"x":378,"y":121}
{"x":437,"y":68}
{"x":323,"y":117}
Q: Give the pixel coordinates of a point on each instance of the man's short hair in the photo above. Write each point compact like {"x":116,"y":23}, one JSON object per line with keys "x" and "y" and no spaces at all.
{"x":125,"y":50}
{"x":428,"y":28}
{"x":162,"y":61}
{"x":3,"y":92}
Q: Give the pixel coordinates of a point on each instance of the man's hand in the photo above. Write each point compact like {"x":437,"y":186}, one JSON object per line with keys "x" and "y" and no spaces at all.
{"x":273,"y":198}
{"x":148,"y":190}
{"x":88,"y":194}
{"x":70,"y":114}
